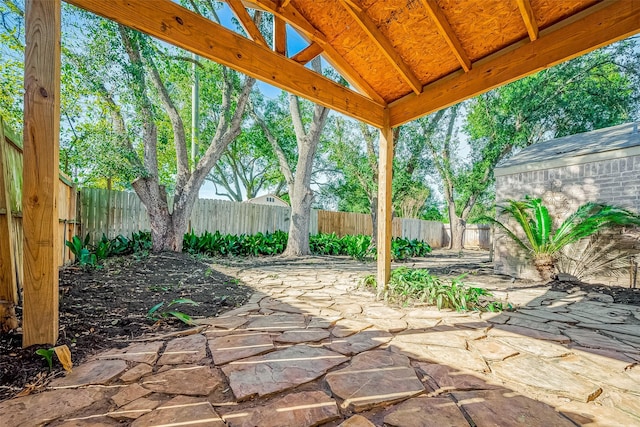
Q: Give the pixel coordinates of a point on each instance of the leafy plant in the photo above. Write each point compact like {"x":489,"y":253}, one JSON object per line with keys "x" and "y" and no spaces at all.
{"x":47,"y":355}
{"x":410,"y":285}
{"x":155,"y":313}
{"x":80,"y":249}
{"x":542,"y":244}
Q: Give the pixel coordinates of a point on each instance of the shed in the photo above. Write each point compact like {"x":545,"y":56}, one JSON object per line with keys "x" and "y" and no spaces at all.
{"x":268,"y":199}
{"x":598,"y":166}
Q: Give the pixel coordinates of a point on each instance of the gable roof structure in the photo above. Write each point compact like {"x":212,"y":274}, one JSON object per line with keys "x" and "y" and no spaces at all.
{"x":410,"y":57}
{"x":608,"y":143}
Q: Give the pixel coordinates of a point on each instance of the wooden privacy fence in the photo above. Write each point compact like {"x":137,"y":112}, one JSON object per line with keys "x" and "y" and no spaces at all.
{"x":114,"y":212}
{"x":11,"y":252}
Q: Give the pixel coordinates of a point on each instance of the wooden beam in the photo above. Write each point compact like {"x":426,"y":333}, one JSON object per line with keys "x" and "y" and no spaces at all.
{"x":279,"y":36}
{"x":385,"y":176}
{"x":294,"y":18}
{"x":247,"y":23}
{"x":308,"y":53}
{"x":174,"y":24}
{"x":42,"y":243}
{"x":385,"y":46}
{"x":529,"y":19}
{"x":597,"y":26}
{"x":445,"y":30}
{"x":8,"y":280}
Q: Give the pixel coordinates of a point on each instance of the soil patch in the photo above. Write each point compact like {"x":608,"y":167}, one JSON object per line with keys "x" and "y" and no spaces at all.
{"x":107,"y":308}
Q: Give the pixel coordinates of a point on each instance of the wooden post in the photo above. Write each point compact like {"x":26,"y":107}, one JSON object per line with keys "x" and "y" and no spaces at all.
{"x":40,"y":175}
{"x":8,"y":280}
{"x":385,"y":173}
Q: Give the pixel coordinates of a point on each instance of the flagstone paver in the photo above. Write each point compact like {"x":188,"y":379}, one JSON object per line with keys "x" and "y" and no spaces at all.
{"x":308,"y":329}
{"x":184,"y":350}
{"x":129,"y":394}
{"x":141,"y":352}
{"x":346,"y":327}
{"x":506,"y":408}
{"x":536,"y":372}
{"x":426,"y":412}
{"x":181,"y":410}
{"x":192,"y":380}
{"x":277,"y":323}
{"x":48,"y":406}
{"x":373,"y":379}
{"x":304,"y":409}
{"x":279,"y":370}
{"x":359,"y":342}
{"x":135,"y":373}
{"x":96,"y":372}
{"x":135,"y":409}
{"x":303,"y":335}
{"x":233,"y":347}
{"x":357,"y":421}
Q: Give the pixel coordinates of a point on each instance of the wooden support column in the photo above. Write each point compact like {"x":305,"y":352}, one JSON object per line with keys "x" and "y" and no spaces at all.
{"x":40,"y":175}
{"x":385,"y":172}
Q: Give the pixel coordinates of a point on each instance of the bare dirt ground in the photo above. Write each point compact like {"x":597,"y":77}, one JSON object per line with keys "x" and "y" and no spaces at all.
{"x":107,"y":307}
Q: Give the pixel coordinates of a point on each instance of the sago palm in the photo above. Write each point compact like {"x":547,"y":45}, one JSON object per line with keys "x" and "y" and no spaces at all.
{"x":543,"y":244}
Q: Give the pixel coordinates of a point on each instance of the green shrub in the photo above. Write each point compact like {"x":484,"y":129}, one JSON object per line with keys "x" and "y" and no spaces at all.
{"x":418,"y":285}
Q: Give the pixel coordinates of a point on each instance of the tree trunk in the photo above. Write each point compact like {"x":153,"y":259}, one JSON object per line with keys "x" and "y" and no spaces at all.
{"x":457,"y":227}
{"x":298,"y":241}
{"x":374,"y":222}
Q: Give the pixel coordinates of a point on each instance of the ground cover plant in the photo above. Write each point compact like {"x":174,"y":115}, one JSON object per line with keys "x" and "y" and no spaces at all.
{"x":544,"y":244}
{"x":408,"y":286}
{"x":260,"y":244}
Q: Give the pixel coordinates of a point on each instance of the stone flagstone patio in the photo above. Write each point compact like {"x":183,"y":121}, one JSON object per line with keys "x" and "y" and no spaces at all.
{"x":311,"y":349}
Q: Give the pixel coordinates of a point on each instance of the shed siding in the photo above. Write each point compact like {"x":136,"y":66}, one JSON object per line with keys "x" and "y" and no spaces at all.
{"x":563,"y":189}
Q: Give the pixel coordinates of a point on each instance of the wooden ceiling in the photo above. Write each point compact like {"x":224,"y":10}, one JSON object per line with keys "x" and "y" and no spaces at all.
{"x":403,"y":58}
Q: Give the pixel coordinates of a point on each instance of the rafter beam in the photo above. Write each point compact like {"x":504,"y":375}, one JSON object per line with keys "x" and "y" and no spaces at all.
{"x":385,"y":46}
{"x":176,"y":25}
{"x":445,"y":30}
{"x":247,"y":23}
{"x":279,"y":36}
{"x":309,"y":32}
{"x":308,"y":53}
{"x":598,"y":26}
{"x":529,"y":18}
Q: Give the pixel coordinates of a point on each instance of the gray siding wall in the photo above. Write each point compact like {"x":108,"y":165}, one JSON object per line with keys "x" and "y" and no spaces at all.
{"x":563,"y":189}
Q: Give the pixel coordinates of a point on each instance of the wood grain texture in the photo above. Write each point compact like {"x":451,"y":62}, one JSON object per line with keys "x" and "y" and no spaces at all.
{"x":308,"y":53}
{"x":528,"y":18}
{"x":247,"y":23}
{"x":385,"y":209}
{"x":8,"y":281}
{"x":598,"y":26}
{"x":42,"y":245}
{"x":280,"y":36}
{"x":445,"y":30}
{"x":385,"y":46}
{"x":176,"y":25}
{"x":310,"y":33}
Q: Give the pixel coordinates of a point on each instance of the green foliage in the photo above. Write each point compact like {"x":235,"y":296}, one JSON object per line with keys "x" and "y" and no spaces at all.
{"x":358,"y":247}
{"x":47,"y":355}
{"x":418,"y":285}
{"x":535,"y":222}
{"x":157,"y":312}
{"x":81,"y":250}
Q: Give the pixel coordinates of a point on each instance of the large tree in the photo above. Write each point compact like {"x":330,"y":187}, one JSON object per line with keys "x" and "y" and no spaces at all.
{"x":147,"y":117}
{"x":590,"y":92}
{"x":296,"y":165}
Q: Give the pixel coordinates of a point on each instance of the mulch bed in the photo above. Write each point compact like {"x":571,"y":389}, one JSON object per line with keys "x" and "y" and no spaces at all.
{"x":107,"y":308}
